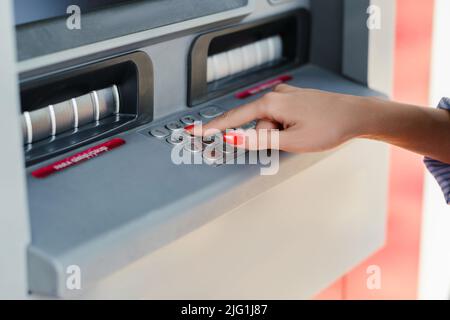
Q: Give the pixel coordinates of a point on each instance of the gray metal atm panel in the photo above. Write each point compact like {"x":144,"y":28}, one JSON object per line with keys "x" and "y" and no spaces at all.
{"x":45,"y":37}
{"x":111,"y":211}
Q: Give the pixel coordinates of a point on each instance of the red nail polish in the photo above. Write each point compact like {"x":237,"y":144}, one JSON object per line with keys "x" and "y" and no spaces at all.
{"x":233,"y":138}
{"x":189,"y":128}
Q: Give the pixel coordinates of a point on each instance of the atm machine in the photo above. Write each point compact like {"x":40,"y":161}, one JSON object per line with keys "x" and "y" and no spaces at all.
{"x":130,"y":223}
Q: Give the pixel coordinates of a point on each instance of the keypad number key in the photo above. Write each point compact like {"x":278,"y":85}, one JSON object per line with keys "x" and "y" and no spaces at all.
{"x":250,"y":125}
{"x":177,"y":138}
{"x":189,"y":119}
{"x":211,"y":140}
{"x":213,"y":155}
{"x":211,"y":112}
{"x":160,"y":133}
{"x":174,"y":126}
{"x":194,"y":146}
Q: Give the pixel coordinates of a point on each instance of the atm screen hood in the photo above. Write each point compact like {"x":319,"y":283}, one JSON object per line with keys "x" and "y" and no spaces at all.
{"x":27,"y":11}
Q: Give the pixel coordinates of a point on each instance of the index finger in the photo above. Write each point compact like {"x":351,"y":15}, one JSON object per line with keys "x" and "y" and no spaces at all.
{"x":235,"y":118}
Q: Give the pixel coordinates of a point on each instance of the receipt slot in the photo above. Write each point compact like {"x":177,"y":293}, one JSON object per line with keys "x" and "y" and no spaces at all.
{"x":106,"y":205}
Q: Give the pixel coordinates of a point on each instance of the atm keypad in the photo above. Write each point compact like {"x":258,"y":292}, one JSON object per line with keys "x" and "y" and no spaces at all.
{"x":212,"y":148}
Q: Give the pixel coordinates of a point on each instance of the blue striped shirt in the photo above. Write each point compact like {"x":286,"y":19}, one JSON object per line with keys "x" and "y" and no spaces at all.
{"x":439,"y":170}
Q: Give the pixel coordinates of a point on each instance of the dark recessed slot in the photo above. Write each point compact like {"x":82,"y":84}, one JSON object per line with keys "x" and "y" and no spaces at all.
{"x":74,"y":107}
{"x":285,"y":28}
{"x":225,"y":60}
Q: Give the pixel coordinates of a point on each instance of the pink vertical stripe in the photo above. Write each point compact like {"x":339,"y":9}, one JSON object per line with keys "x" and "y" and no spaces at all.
{"x":399,"y":259}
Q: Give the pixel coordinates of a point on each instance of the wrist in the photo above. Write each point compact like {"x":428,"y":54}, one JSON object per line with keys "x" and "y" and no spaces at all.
{"x":362,"y":117}
{"x":372,"y":118}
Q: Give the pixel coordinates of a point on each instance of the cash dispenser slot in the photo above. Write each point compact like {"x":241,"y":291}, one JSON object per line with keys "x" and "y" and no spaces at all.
{"x":224,"y":60}
{"x":75,"y":107}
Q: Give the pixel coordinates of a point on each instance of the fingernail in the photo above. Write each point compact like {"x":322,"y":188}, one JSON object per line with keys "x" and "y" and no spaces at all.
{"x":189,"y":128}
{"x":233,"y":138}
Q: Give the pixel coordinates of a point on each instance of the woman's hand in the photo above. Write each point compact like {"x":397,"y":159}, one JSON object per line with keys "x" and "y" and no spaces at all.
{"x":312,"y":121}
{"x":308,"y":120}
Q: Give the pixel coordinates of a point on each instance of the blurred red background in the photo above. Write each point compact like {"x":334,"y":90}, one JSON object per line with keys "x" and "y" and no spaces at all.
{"x":399,"y":259}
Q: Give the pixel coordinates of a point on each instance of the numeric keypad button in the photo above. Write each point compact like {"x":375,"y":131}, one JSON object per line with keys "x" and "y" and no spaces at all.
{"x":174,"y":126}
{"x":160,"y":132}
{"x":211,"y":112}
{"x":189,"y":119}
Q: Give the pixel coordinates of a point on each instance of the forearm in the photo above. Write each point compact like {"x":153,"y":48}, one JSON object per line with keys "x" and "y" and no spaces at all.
{"x":422,"y":130}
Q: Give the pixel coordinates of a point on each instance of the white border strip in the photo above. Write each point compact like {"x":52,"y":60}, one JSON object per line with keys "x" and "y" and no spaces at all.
{"x":115,"y":91}
{"x":75,"y":112}
{"x":381,"y":53}
{"x":272,"y":52}
{"x":434,"y":271}
{"x":27,"y":117}
{"x":51,"y":110}
{"x":96,"y":105}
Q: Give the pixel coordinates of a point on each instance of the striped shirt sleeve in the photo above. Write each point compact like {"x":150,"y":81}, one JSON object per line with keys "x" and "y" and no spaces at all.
{"x":439,"y":170}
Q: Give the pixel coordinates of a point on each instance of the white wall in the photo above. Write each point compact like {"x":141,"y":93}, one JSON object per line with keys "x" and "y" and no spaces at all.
{"x":14,"y":232}
{"x":434,"y":278}
{"x":382,"y":48}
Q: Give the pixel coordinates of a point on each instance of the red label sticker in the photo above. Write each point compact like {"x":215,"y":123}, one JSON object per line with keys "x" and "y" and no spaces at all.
{"x":264,"y":86}
{"x":78,"y":158}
